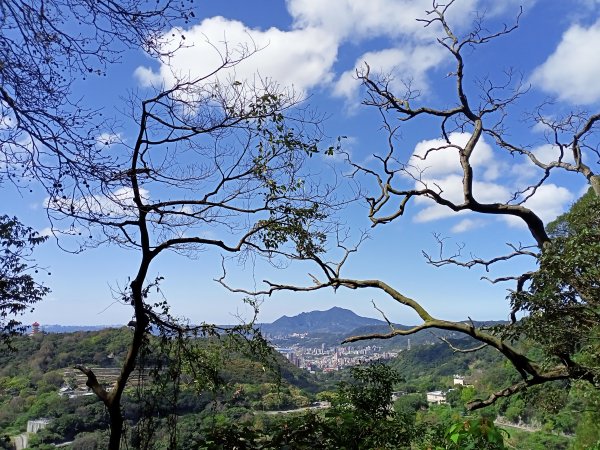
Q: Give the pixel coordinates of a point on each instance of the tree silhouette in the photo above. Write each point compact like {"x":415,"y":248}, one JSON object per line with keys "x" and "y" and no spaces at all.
{"x":480,"y":109}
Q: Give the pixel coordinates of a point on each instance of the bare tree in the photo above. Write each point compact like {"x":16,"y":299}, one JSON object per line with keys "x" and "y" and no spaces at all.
{"x":398,"y":180}
{"x":47,"y":134}
{"x":213,"y":163}
{"x":45,"y":47}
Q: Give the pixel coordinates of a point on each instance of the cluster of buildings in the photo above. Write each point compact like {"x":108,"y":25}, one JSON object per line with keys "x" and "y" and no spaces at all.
{"x":327,"y":359}
{"x":439,"y":397}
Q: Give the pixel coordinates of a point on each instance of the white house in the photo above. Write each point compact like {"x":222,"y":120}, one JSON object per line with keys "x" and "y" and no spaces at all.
{"x":459,"y":380}
{"x":436,"y":397}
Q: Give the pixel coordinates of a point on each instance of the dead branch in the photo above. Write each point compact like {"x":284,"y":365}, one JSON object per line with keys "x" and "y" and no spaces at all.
{"x":461,"y":350}
{"x":92,"y":382}
{"x":519,"y":250}
{"x":559,"y":374}
{"x":390,"y":324}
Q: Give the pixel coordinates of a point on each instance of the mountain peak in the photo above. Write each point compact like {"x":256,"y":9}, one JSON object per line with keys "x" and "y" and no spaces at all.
{"x":333,"y":320}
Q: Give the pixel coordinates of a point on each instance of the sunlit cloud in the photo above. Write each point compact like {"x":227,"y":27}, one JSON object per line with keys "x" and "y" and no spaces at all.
{"x":571,"y":71}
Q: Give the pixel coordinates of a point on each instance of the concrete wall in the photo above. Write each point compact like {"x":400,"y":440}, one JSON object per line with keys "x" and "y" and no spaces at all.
{"x":33,"y":426}
{"x":21,"y":441}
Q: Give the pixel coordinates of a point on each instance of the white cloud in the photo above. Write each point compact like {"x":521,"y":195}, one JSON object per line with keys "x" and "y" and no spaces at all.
{"x":46,"y":232}
{"x":584,"y":189}
{"x":108,"y":139}
{"x":349,"y":19}
{"x":523,"y":173}
{"x":548,"y":202}
{"x":467,"y":225}
{"x":354,"y":20}
{"x":50,"y":232}
{"x":117,"y":203}
{"x":571,"y":72}
{"x":447,"y":161}
{"x":300,"y":58}
{"x":451,"y":188}
{"x":399,"y":64}
{"x":549,"y":153}
{"x":434,"y":212}
{"x":441,"y":171}
{"x":304,"y":56}
{"x":495,"y":8}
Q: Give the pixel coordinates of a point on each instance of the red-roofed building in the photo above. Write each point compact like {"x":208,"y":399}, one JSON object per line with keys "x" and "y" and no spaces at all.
{"x":35,"y":328}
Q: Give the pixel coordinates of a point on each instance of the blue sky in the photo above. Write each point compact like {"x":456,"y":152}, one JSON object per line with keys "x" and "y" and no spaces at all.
{"x":315,"y":47}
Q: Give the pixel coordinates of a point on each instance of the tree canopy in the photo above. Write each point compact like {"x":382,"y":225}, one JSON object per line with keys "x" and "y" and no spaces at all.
{"x":19,"y":291}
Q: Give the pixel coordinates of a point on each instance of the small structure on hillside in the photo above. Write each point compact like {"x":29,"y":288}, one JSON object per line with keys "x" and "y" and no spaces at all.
{"x":459,"y":380}
{"x":436,"y":397}
{"x":33,"y":426}
{"x":35,"y":329}
{"x":21,"y":441}
{"x":397,"y":394}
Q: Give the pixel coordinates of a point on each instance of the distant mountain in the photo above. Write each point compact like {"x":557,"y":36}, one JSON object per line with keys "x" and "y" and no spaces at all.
{"x":332,"y":326}
{"x":72,"y":328}
{"x":335,"y":321}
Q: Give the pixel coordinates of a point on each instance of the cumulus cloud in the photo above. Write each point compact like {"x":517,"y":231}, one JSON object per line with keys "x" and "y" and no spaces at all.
{"x":398,"y":64}
{"x":548,"y":202}
{"x":549,"y":153}
{"x":571,"y":72}
{"x":526,"y":172}
{"x":451,"y":188}
{"x":117,"y":203}
{"x":375,"y":18}
{"x":467,"y":225}
{"x":441,"y":171}
{"x":445,"y":160}
{"x":300,"y":58}
{"x":304,"y":56}
{"x":437,"y":166}
{"x":108,"y":139}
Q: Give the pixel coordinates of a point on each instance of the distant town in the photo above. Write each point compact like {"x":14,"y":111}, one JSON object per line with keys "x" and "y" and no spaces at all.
{"x":327,"y":359}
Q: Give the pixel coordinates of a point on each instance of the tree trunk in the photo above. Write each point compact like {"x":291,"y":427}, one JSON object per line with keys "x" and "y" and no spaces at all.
{"x":595,"y":182}
{"x":116,"y":428}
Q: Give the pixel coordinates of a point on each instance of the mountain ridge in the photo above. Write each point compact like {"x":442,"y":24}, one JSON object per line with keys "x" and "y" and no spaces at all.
{"x":334,"y":320}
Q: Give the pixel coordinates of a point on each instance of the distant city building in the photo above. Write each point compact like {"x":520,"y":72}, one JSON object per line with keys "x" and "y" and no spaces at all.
{"x":334,"y":358}
{"x":436,"y":397}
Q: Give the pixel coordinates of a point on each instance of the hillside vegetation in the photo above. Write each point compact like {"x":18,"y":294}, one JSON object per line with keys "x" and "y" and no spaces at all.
{"x":228,"y":414}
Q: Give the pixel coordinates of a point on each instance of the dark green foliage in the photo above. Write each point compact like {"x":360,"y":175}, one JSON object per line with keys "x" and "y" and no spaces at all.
{"x":562,"y":301}
{"x":369,"y":394}
{"x":361,"y":417}
{"x":18,"y":289}
{"x":475,"y":434}
{"x":540,"y":441}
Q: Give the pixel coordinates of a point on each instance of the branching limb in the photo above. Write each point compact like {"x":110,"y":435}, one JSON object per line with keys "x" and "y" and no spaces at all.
{"x":559,"y":374}
{"x":519,"y":250}
{"x":461,"y":350}
{"x":92,"y":382}
{"x":390,"y":324}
